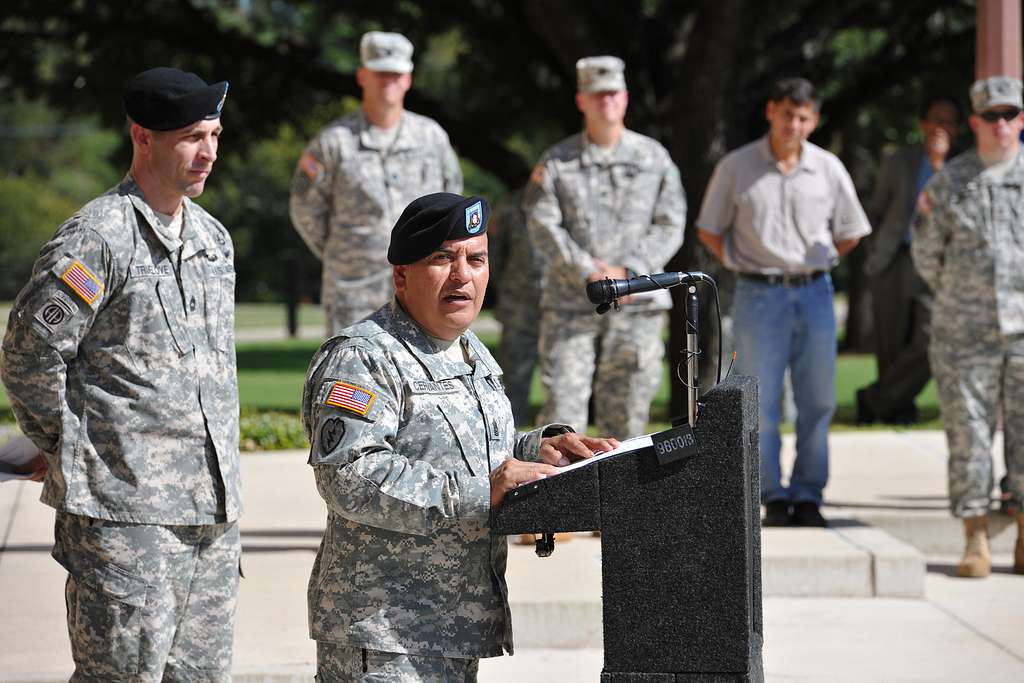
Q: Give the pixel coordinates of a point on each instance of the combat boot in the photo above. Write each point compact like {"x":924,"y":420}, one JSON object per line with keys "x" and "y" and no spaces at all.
{"x":1018,"y":551}
{"x":977,"y":560}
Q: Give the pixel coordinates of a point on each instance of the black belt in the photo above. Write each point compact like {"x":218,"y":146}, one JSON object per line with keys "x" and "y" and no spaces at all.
{"x":786,"y":280}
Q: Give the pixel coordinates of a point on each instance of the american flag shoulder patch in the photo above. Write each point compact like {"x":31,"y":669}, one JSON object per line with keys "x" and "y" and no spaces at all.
{"x":82,"y":282}
{"x":310,"y":166}
{"x":350,"y":397}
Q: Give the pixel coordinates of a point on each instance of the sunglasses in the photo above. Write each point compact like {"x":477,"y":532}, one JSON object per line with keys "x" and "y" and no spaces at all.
{"x":1005,"y":115}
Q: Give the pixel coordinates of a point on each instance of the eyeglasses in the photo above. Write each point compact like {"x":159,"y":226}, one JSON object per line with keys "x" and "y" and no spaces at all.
{"x":1005,"y":115}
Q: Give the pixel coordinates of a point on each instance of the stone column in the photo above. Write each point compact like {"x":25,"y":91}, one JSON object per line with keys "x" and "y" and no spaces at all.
{"x":998,"y":39}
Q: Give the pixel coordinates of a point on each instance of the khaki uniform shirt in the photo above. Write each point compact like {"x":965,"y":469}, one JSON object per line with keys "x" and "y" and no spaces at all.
{"x":968,"y":246}
{"x":775,"y":223}
{"x":403,"y":441}
{"x":348,"y":191}
{"x":119,"y":362}
{"x":626,"y":209}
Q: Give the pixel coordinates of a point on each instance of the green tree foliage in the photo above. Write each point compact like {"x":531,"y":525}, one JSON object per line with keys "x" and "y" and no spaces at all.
{"x":499,"y":76}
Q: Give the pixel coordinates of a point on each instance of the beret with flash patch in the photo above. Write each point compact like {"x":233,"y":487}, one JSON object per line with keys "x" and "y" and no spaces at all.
{"x":167,"y":99}
{"x":432,"y":219}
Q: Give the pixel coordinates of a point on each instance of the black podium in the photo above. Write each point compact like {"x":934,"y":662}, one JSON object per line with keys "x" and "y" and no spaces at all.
{"x":680,"y":547}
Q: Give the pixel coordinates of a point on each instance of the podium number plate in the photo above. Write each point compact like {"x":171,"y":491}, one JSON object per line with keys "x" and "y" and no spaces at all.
{"x":674,"y":444}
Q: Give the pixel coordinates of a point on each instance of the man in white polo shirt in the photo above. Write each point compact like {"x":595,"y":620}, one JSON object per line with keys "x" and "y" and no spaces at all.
{"x":780,"y":212}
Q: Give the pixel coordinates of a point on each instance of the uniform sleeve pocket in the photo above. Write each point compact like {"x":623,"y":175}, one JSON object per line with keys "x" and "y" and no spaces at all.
{"x":108,"y":606}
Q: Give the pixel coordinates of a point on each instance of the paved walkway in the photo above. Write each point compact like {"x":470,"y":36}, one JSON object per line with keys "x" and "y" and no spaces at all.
{"x":961,"y":630}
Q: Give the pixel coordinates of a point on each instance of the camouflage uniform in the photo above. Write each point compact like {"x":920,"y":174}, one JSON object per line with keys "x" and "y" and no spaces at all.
{"x":516,"y":269}
{"x":347,"y":193}
{"x":338,"y":663}
{"x":968,"y":246}
{"x":629,"y":210}
{"x":119,"y":363}
{"x":403,"y":440}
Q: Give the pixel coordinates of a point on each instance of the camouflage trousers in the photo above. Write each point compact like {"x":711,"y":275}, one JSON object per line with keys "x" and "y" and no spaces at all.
{"x":518,"y":357}
{"x":342,"y":664}
{"x":972,"y":387}
{"x":147,"y":602}
{"x":347,"y":302}
{"x":618,"y":353}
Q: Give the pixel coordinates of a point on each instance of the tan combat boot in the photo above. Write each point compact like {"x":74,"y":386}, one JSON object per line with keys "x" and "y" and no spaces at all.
{"x":1018,"y":551}
{"x":977,"y":560}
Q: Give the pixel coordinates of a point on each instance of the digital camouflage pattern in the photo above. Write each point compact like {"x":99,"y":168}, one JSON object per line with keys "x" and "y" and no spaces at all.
{"x":348,"y":191}
{"x":407,"y":563}
{"x":341,"y":664}
{"x":516,"y":269}
{"x":627,"y":209}
{"x":131,"y":397}
{"x":628,"y":368}
{"x":968,"y":246}
{"x":149,"y":603}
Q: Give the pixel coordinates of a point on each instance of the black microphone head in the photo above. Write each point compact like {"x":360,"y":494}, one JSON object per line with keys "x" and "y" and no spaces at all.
{"x":600,"y":292}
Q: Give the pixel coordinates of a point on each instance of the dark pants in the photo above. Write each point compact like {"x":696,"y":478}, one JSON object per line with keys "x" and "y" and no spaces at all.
{"x":902,"y":314}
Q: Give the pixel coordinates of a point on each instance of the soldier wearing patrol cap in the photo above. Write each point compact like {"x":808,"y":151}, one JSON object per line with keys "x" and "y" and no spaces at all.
{"x":968,"y":246}
{"x":119,"y":364}
{"x":413,"y":443}
{"x":604,"y":203}
{"x":357,"y":175}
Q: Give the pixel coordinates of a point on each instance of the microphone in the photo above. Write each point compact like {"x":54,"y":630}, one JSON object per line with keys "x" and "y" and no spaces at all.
{"x":605,"y":292}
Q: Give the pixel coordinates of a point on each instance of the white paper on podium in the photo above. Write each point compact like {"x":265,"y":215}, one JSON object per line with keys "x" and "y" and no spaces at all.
{"x":634,"y":444}
{"x":13,"y":453}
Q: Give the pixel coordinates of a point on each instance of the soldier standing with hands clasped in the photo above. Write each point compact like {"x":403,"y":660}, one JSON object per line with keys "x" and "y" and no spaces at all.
{"x":968,"y":246}
{"x":119,"y":362}
{"x":413,"y":443}
{"x":357,"y":175}
{"x":604,"y":203}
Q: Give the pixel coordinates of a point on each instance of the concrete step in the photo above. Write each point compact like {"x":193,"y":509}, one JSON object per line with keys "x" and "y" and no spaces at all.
{"x":850,"y":560}
{"x":934,"y":532}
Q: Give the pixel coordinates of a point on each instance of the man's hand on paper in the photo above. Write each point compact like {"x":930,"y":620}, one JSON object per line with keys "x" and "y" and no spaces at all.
{"x":35,"y":468}
{"x":512,"y":473}
{"x":570,"y":447}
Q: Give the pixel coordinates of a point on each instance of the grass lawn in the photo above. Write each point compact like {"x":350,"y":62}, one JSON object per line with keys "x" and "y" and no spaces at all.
{"x":271,"y":373}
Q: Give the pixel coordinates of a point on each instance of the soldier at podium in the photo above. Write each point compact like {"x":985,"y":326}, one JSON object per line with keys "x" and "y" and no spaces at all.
{"x":413,"y":443}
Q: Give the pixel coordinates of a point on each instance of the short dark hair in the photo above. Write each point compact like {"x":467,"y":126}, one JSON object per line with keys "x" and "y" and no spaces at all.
{"x":799,"y":91}
{"x":941,"y":98}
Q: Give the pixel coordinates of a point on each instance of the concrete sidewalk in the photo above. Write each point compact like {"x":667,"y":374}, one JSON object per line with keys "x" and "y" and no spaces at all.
{"x":959,"y":630}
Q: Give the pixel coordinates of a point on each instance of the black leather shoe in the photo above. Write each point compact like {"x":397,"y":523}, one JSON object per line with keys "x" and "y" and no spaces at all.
{"x":776,"y":513}
{"x":865,"y":415}
{"x":808,"y":514}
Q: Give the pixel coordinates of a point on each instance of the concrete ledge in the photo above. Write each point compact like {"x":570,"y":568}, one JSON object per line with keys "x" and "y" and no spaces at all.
{"x":897,"y":568}
{"x":935,"y":532}
{"x":848,"y":561}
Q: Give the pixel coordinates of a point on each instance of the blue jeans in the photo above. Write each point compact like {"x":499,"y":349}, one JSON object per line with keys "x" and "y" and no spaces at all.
{"x":778,"y":327}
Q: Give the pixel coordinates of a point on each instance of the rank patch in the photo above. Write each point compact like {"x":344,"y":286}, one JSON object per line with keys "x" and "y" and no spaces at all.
{"x":82,"y":282}
{"x":474,"y":218}
{"x":331,"y":433}
{"x":351,"y":397}
{"x":310,"y":166}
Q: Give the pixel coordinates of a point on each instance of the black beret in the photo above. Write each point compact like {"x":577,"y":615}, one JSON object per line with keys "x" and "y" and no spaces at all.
{"x":168,"y":99}
{"x":431,"y":220}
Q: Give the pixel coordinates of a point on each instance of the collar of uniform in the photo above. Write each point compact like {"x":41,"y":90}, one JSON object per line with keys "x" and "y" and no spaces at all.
{"x":805,"y":163}
{"x":130,"y":188}
{"x":194,"y":239}
{"x":415,"y":339}
{"x":401,"y":141}
{"x":622,"y":154}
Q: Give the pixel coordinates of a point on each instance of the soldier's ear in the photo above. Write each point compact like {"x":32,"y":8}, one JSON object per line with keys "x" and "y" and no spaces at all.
{"x":398,"y":277}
